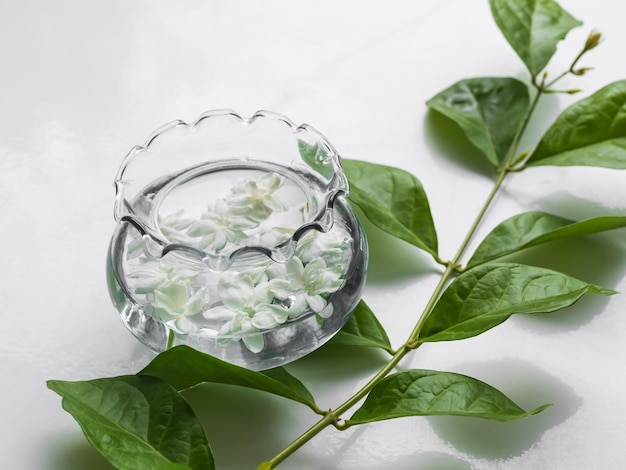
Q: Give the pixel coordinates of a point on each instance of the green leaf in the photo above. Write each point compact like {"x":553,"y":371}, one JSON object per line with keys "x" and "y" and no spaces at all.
{"x":533,"y":28}
{"x":393,"y":200}
{"x":316,"y":157}
{"x":184,"y":367}
{"x":433,"y":393}
{"x":490,"y":111}
{"x":534,"y":228}
{"x":363,"y":329}
{"x":487,"y":295}
{"x":137,"y":423}
{"x":591,"y":132}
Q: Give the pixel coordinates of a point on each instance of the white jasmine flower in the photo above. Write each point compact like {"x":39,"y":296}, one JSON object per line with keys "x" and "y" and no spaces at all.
{"x":152,"y":274}
{"x":256,"y":198}
{"x":173,"y":227}
{"x":333,"y":246}
{"x":241,"y":325}
{"x":247,"y":309}
{"x":147,"y":277}
{"x":219,"y":226}
{"x":276,"y":271}
{"x":304,"y":285}
{"x":274,"y":236}
{"x":256,"y":266}
{"x":176,"y":302}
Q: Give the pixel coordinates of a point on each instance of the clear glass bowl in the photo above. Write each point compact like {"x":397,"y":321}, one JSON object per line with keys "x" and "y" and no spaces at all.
{"x":234,"y":237}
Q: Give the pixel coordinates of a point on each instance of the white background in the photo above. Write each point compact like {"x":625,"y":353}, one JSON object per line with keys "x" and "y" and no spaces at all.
{"x":82,"y":82}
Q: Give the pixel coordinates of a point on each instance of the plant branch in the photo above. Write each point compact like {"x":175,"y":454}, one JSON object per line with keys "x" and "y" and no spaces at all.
{"x":592,"y":42}
{"x":410,"y":345}
{"x":453,"y":267}
{"x":332,"y":417}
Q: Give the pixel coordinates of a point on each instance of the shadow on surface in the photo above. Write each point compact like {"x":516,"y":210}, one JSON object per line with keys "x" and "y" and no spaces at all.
{"x":446,"y":139}
{"x":75,"y":453}
{"x":591,"y":259}
{"x":529,"y":387}
{"x":433,"y":461}
{"x":576,"y":193}
{"x":333,"y":363}
{"x":391,"y":259}
{"x":244,"y":427}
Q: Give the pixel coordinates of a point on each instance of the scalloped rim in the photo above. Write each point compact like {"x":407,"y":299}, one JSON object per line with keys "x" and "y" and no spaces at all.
{"x":158,"y":247}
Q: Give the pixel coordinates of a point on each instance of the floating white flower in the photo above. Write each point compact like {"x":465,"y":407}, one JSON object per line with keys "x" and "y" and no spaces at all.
{"x":151,"y":274}
{"x":174,"y":225}
{"x":304,"y":285}
{"x":256,"y":198}
{"x":247,"y":309}
{"x":333,"y":246}
{"x":255,"y":266}
{"x":176,"y":302}
{"x":219,"y":226}
{"x":273,"y":236}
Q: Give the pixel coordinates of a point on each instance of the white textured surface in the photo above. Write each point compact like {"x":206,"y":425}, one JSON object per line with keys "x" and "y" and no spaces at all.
{"x":82,"y":82}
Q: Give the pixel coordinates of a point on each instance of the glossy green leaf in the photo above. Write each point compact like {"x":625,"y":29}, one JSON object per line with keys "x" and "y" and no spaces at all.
{"x":489,"y":110}
{"x":533,"y":28}
{"x":433,"y":393}
{"x":591,"y":132}
{"x":535,"y":228}
{"x":363,"y":329}
{"x":487,"y":295}
{"x":393,"y":200}
{"x":137,"y":423}
{"x":184,"y":367}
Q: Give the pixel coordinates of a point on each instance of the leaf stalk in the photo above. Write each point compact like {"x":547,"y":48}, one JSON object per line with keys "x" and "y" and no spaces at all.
{"x":171,"y":337}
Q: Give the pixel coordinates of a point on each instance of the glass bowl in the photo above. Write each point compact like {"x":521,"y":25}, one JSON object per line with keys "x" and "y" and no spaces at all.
{"x":234,"y":237}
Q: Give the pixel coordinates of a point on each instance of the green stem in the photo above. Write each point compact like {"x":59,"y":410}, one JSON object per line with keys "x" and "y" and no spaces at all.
{"x":509,"y":161}
{"x":171,"y":337}
{"x":332,"y":417}
{"x":546,"y":87}
{"x":411,"y":344}
{"x":450,"y":270}
{"x":300,"y":441}
{"x":453,"y":264}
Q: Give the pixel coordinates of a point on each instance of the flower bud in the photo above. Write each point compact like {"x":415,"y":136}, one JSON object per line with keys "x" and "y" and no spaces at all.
{"x":593,"y":40}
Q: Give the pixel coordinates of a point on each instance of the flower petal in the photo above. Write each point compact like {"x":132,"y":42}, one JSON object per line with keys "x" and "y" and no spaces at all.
{"x":235,"y":293}
{"x":316,"y":302}
{"x":282,"y":288}
{"x":185,"y":325}
{"x":254,"y":343}
{"x":264,"y":320}
{"x":298,"y":304}
{"x":327,"y":311}
{"x":195,"y":303}
{"x":262,"y":294}
{"x":171,"y":297}
{"x":219,"y":314}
